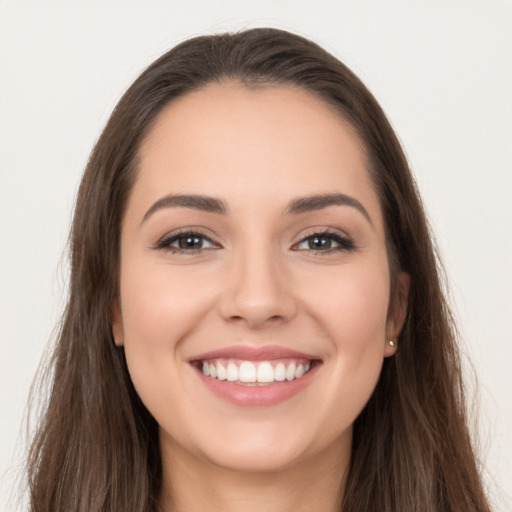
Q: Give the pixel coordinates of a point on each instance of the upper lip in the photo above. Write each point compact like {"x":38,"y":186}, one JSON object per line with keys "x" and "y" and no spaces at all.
{"x":253,"y":353}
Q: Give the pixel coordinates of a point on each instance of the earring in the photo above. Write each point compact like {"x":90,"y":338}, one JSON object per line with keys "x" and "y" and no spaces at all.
{"x":392,"y":343}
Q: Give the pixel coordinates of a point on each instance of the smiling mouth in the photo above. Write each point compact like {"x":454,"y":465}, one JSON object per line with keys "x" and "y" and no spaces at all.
{"x":255,"y":373}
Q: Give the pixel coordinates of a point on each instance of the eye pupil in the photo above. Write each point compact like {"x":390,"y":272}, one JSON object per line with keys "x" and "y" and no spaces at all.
{"x":320,"y":242}
{"x":190,"y":242}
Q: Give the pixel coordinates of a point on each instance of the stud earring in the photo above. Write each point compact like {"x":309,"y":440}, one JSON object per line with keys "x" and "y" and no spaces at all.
{"x":392,"y":343}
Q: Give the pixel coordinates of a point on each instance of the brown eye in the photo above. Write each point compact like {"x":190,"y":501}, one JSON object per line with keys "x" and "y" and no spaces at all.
{"x":325,"y":242}
{"x":188,"y":242}
{"x":319,"y":243}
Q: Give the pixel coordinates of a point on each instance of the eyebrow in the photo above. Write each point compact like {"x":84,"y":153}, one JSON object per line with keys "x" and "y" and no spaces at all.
{"x":318,"y":202}
{"x":195,"y":202}
{"x":296,"y":207}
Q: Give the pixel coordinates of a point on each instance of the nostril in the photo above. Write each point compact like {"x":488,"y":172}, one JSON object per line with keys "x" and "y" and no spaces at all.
{"x":255,"y":321}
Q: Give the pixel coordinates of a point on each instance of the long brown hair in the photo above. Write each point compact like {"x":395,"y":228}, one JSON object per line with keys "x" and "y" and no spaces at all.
{"x":97,"y":448}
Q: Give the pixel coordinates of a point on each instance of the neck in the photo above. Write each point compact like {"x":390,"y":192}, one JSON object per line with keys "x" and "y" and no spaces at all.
{"x":191,"y":484}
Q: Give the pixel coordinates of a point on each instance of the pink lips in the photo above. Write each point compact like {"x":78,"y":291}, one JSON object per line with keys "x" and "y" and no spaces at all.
{"x":255,"y":396}
{"x":249,"y":353}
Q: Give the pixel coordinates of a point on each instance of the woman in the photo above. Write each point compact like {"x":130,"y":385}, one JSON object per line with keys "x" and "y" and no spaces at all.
{"x":255,"y":318}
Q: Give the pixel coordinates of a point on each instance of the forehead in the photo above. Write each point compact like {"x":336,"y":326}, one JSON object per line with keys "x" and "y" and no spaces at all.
{"x":271,"y":141}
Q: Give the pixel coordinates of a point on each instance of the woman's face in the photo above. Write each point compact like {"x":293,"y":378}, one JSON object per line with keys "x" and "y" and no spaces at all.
{"x":252,"y":252}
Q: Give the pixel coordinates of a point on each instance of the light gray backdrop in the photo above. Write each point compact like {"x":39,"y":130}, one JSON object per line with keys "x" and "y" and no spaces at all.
{"x":441,"y":69}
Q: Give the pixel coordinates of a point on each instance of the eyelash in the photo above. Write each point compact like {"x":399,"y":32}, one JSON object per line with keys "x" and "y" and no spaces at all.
{"x":345,"y":243}
{"x":166,"y":241}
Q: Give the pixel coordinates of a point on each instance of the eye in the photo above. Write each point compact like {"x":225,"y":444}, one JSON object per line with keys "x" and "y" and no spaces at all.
{"x":325,"y":241}
{"x":186,"y":242}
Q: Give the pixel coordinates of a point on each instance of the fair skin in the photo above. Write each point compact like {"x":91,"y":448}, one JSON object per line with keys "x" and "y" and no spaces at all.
{"x":259,"y":274}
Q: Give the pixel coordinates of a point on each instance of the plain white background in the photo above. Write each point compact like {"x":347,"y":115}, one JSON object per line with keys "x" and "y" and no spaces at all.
{"x":441,"y":69}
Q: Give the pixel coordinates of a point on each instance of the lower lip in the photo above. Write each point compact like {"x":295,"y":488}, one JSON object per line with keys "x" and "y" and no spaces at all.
{"x":257,"y":396}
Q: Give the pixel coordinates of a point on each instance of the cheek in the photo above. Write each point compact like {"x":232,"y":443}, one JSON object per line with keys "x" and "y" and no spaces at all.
{"x":351,"y":316}
{"x":159,"y":304}
{"x":352,"y":306}
{"x":160,"y":307}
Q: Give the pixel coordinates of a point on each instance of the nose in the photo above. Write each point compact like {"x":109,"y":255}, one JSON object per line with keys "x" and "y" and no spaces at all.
{"x":257,"y":292}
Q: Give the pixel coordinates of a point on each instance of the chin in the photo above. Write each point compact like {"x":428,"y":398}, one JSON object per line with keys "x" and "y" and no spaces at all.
{"x":254,"y":459}
{"x":267,"y":447}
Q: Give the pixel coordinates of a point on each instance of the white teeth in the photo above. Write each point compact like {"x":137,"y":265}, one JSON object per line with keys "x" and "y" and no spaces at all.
{"x":255,"y":372}
{"x":280,"y":372}
{"x":232,"y":372}
{"x":221,"y":372}
{"x":290,"y":371}
{"x":265,"y":372}
{"x":247,"y":372}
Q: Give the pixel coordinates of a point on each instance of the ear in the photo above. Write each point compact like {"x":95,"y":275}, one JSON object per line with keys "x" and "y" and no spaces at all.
{"x":397,"y":313}
{"x":116,"y":321}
